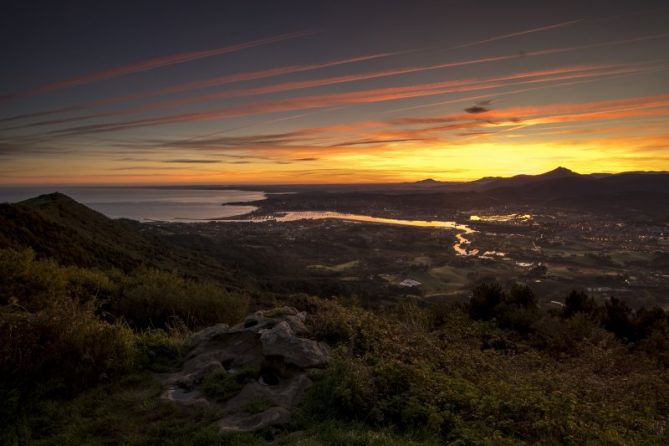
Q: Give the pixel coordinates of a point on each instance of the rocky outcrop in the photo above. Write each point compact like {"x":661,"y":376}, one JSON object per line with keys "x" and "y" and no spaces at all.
{"x":256,"y":372}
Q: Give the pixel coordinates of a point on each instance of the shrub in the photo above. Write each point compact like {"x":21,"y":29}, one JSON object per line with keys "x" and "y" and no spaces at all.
{"x":570,"y":336}
{"x":578,"y":302}
{"x":485,"y":298}
{"x":49,"y":326}
{"x":155,"y":299}
{"x":65,"y":345}
{"x":617,"y":318}
{"x":516,"y":310}
{"x":343,"y":391}
{"x":521,"y":296}
{"x":157,"y":352}
{"x":412,"y":315}
{"x":29,"y":283}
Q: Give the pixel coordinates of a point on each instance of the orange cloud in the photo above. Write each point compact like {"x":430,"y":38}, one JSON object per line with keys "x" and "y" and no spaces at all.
{"x":356,"y":97}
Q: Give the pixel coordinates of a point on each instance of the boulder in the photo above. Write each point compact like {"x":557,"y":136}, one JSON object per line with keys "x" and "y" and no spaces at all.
{"x":281,"y":341}
{"x":267,"y":357}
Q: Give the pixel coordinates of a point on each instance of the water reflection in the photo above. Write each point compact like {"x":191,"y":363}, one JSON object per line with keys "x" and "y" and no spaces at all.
{"x":459,"y":247}
{"x":501,"y":218}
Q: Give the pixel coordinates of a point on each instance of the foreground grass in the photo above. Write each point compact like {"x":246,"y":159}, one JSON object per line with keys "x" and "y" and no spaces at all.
{"x":129,"y":412}
{"x":397,"y":378}
{"x":82,"y":348}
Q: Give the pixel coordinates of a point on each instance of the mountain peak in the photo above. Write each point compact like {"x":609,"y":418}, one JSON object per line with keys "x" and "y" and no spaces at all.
{"x":559,"y":172}
{"x":53,"y":197}
{"x":427,"y":181}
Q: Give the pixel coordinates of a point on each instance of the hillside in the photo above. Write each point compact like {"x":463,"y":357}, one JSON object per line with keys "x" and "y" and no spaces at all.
{"x":111,"y":357}
{"x":494,"y":371}
{"x":57,"y":227}
{"x":76,"y":234}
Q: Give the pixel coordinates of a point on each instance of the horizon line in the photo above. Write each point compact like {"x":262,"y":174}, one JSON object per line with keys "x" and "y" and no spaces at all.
{"x":288,"y":184}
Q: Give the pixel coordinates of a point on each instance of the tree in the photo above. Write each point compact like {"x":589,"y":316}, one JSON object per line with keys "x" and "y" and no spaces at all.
{"x":578,"y":302}
{"x":485,"y":297}
{"x":617,"y":318}
{"x":522,"y":296}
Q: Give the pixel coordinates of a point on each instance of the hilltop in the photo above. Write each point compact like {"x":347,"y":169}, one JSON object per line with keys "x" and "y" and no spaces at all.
{"x":56,"y":226}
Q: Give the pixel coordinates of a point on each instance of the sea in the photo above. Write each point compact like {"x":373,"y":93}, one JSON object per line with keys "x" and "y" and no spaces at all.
{"x":150,"y":204}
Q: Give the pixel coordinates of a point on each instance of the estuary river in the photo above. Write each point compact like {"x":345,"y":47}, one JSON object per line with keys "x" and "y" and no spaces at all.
{"x":164,"y":204}
{"x":460,"y":247}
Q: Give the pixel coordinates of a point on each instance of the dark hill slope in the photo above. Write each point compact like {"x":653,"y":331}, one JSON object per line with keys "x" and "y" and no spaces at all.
{"x":57,"y":227}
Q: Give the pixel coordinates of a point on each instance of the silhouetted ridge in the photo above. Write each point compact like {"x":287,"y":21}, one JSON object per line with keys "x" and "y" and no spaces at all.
{"x":559,"y":172}
{"x":428,"y":181}
{"x":56,"y":226}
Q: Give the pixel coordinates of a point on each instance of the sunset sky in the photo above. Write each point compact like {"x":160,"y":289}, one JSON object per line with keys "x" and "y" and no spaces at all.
{"x":228,"y":92}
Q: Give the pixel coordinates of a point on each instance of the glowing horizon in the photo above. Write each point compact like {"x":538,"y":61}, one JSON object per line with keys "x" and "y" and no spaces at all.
{"x":303,"y":106}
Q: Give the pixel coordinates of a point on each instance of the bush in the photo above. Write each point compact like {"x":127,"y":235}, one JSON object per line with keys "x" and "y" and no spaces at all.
{"x":50,"y":329}
{"x":157,"y":299}
{"x":438,"y":382}
{"x":578,"y":302}
{"x":28,"y":283}
{"x":617,"y":318}
{"x":485,"y":299}
{"x":65,"y":345}
{"x":516,"y":310}
{"x":157,"y":352}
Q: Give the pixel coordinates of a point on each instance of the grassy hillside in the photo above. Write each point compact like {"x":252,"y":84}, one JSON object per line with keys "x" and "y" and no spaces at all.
{"x":84,"y":347}
{"x":496,"y":371}
{"x":57,"y":227}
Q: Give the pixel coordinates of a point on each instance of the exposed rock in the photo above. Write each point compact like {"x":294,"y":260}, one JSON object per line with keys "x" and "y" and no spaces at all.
{"x":205,"y":335}
{"x":245,"y":423}
{"x":266,"y":356}
{"x":304,"y":353}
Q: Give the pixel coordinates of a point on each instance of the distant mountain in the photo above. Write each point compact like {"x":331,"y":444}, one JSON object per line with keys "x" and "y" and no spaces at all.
{"x":647,"y":192}
{"x":558,"y":172}
{"x":521,"y":180}
{"x":428,"y":182}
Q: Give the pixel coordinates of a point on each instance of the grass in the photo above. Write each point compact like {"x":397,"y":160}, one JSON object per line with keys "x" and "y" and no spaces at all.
{"x":402,"y":376}
{"x":256,"y":407}
{"x":342,"y":267}
{"x":623,"y":258}
{"x":455,"y":278}
{"x":130,"y":413}
{"x":222,"y":385}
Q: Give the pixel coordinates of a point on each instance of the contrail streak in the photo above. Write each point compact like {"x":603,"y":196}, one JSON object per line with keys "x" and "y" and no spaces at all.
{"x":152,"y":64}
{"x":518,"y":33}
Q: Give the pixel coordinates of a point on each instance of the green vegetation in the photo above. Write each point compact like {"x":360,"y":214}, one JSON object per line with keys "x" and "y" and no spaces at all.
{"x":221,"y":385}
{"x":68,"y":329}
{"x":493,"y":381}
{"x":258,"y":406}
{"x":57,"y":227}
{"x":84,"y":342}
{"x":77,"y":367}
{"x":337,"y":268}
{"x":152,"y":298}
